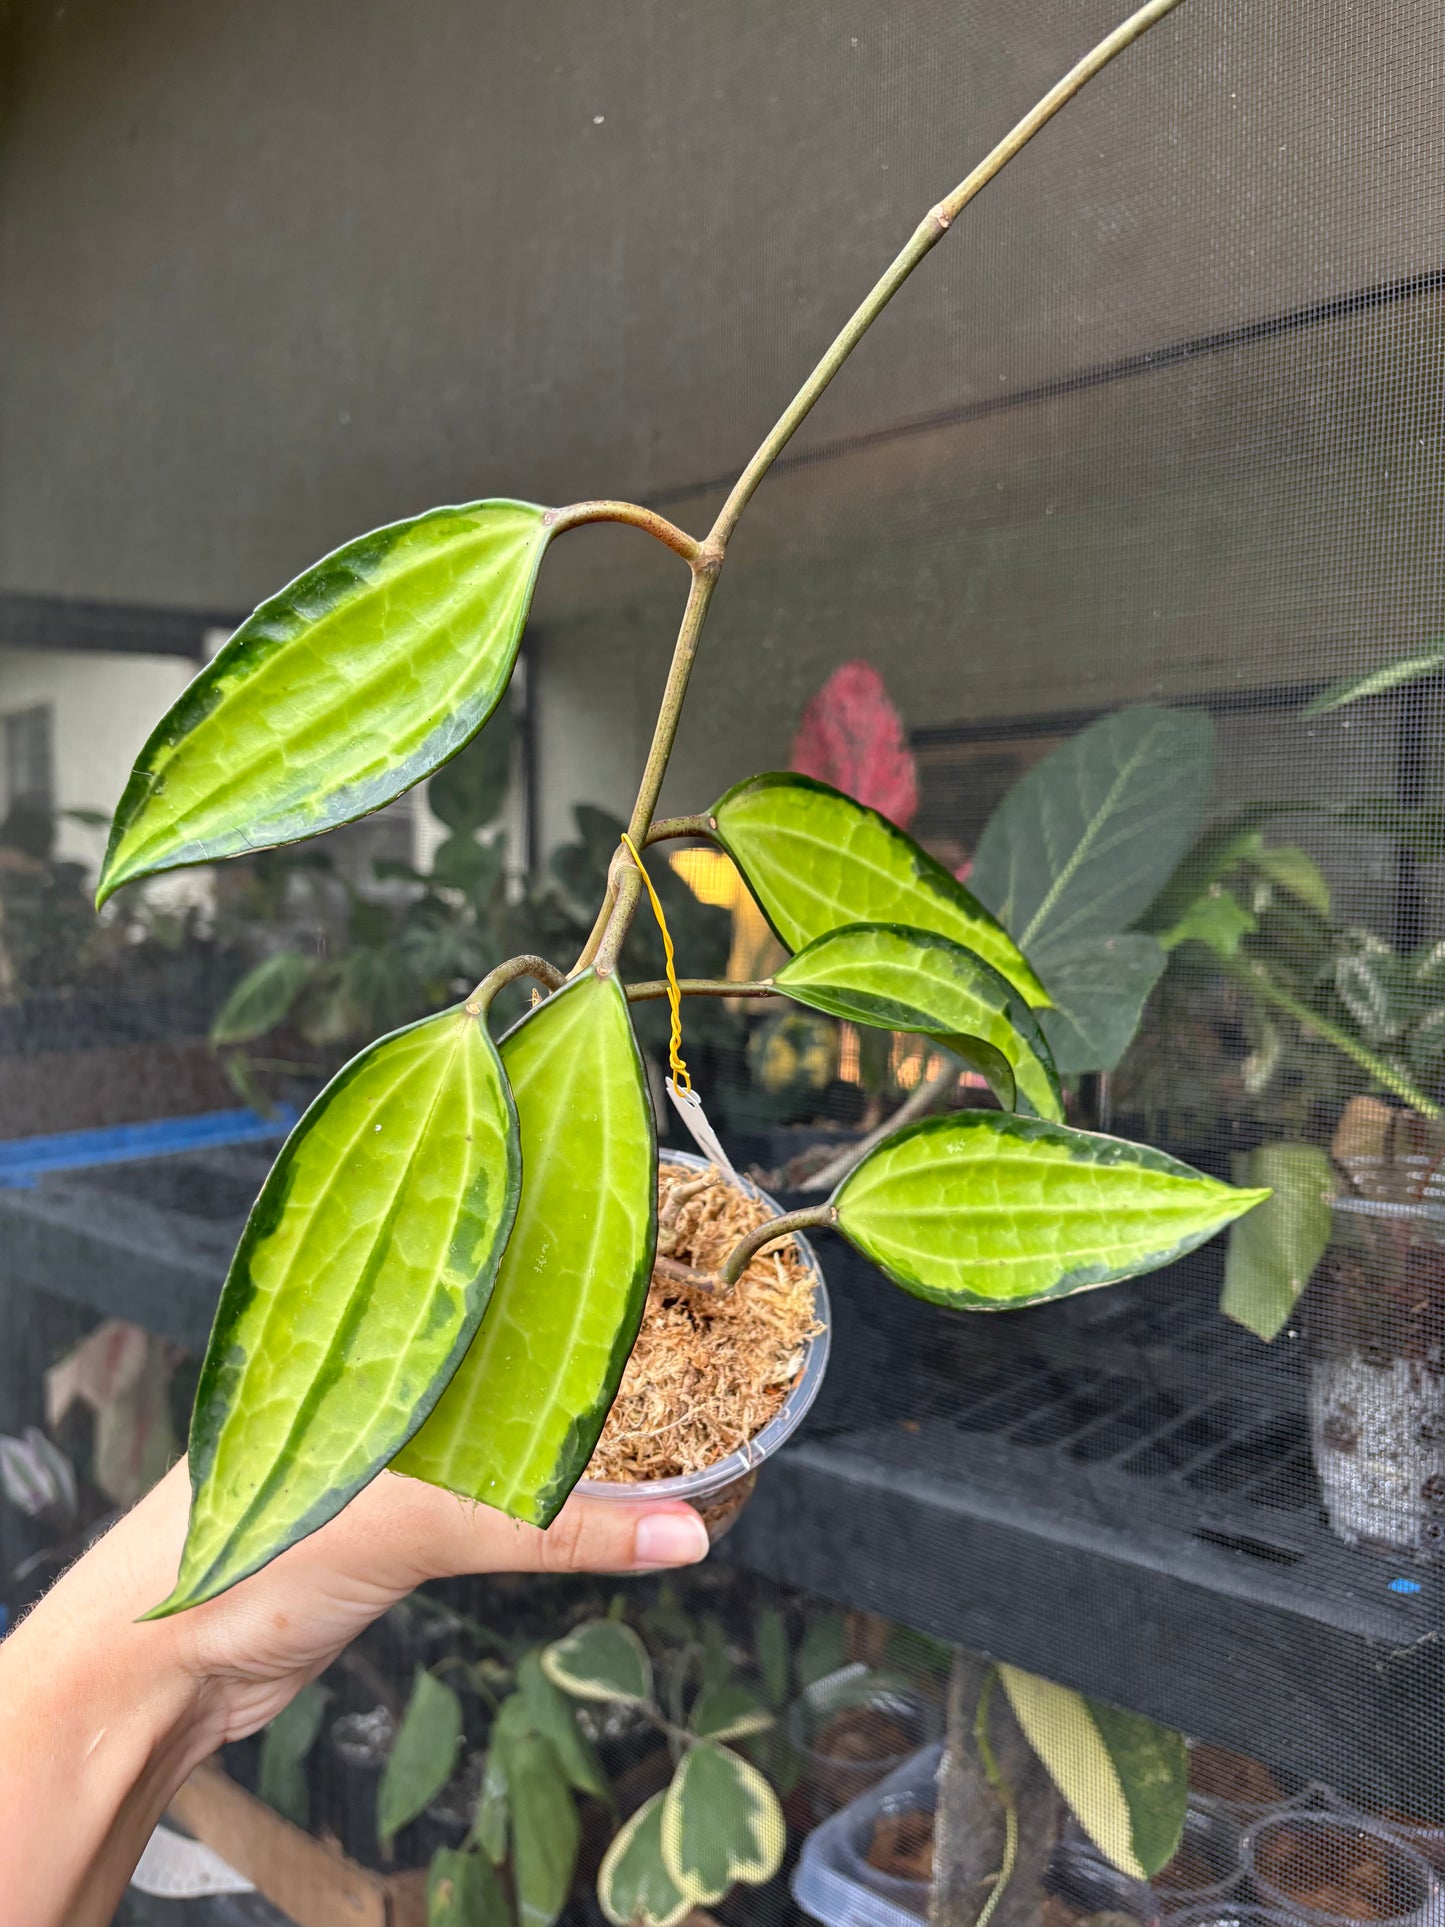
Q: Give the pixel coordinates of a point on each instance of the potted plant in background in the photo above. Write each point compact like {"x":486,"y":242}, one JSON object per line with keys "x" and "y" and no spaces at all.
{"x":1343,"y":1048}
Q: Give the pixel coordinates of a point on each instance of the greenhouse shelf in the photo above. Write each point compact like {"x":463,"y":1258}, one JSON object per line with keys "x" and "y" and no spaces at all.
{"x":1065,"y":1488}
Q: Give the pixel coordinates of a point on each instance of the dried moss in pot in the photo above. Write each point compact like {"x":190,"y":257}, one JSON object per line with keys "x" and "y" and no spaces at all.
{"x":710,"y":1369}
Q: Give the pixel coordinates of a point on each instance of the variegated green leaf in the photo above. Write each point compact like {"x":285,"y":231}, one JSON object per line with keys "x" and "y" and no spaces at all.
{"x":914,"y":980}
{"x":359,"y":1280}
{"x":489,"y":1828}
{"x":1126,"y":1779}
{"x":262,"y":998}
{"x":721,"y":1823}
{"x":518,"y":1422}
{"x":633,"y":1885}
{"x":422,"y":1758}
{"x":361,"y":677}
{"x":987,"y":1211}
{"x":601,"y":1660}
{"x":816,"y":860}
{"x":1375,"y":682}
{"x":727,"y":1711}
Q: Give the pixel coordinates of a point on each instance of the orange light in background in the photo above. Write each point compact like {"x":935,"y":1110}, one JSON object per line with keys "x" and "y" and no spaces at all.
{"x":713,"y":877}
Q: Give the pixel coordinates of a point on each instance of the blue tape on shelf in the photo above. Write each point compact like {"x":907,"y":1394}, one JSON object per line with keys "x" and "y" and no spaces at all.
{"x":24,"y":1161}
{"x":1404,"y":1585}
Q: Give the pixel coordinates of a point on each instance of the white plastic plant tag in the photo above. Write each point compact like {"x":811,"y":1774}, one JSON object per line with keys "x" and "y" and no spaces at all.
{"x":174,"y":1868}
{"x":688,"y":1106}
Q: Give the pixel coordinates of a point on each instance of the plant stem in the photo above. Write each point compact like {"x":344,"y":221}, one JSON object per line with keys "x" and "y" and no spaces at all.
{"x":704,"y":581}
{"x":669,"y":826}
{"x":1005,"y":1797}
{"x":707,"y":559}
{"x":656,"y":988}
{"x":929,"y":232}
{"x":813,"y":1217}
{"x":676,"y":539}
{"x":1254,"y":977}
{"x":480,"y":1000}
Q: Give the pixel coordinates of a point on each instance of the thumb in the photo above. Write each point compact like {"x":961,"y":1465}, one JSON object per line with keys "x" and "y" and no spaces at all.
{"x":435,"y":1535}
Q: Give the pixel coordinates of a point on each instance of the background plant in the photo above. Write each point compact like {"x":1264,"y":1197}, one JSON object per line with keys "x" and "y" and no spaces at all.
{"x":396,"y":1213}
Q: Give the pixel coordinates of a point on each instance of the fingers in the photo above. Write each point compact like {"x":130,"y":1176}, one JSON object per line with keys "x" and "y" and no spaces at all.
{"x":436,"y":1535}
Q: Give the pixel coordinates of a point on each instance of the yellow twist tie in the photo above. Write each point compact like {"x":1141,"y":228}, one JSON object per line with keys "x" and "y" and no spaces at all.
{"x":680,"y":1076}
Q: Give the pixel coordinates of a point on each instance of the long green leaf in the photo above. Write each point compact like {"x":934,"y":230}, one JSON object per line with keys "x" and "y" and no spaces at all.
{"x":1083,"y":843}
{"x":361,"y":677}
{"x":545,"y":1829}
{"x":1273,"y":1252}
{"x":490,"y":1825}
{"x":816,"y":860}
{"x":721,"y":1823}
{"x":262,"y":998}
{"x":727,"y":1711}
{"x":423,"y":1755}
{"x":1375,"y":682}
{"x":358,"y":1283}
{"x":281,"y":1773}
{"x":1126,"y":1779}
{"x":518,"y":1422}
{"x":914,"y":980}
{"x":462,"y":1890}
{"x":988,"y":1211}
{"x":555,"y":1718}
{"x":633,"y":1885}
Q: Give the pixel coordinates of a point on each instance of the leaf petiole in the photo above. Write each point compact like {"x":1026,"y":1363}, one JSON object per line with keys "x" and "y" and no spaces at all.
{"x":480,"y":1000}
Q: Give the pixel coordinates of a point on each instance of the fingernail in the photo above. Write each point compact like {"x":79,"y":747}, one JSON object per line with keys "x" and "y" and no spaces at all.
{"x":669,"y":1539}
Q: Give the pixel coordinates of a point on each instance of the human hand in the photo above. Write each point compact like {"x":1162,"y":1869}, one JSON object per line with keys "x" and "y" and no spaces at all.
{"x":101,"y":1718}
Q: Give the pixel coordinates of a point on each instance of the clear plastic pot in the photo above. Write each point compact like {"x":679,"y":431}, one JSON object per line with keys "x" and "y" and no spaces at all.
{"x":1220,"y":1776}
{"x":1300,"y":1865}
{"x":1206,"y":1870}
{"x":1376,"y":1340}
{"x":851,"y":1708}
{"x":719,"y":1492}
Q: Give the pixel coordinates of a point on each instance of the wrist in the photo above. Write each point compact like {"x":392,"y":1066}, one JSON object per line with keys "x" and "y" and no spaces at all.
{"x":101,"y":1719}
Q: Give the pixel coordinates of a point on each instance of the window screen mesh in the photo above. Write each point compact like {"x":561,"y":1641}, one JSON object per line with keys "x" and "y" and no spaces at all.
{"x":1158,"y":425}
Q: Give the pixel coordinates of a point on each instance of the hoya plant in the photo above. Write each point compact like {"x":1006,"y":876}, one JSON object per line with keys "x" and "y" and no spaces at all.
{"x":447,"y":1266}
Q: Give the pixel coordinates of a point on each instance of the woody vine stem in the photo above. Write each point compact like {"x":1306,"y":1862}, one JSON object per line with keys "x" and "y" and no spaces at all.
{"x":705,"y":558}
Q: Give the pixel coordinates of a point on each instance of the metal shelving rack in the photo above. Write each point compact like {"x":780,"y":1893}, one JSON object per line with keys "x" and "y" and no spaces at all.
{"x":1115,"y":1490}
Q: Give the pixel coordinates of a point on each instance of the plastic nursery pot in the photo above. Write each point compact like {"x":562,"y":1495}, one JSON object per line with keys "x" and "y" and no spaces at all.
{"x":1205,"y":1872}
{"x":835,"y":1880}
{"x":1376,"y":1336}
{"x":853,"y":1727}
{"x":1245,"y":1788}
{"x":719,"y":1492}
{"x":843,"y":1880}
{"x":1327,"y":1870}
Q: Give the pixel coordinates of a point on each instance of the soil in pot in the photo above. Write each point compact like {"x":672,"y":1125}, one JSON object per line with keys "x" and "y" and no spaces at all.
{"x":902,"y":1845}
{"x":1338,"y":1872}
{"x":1237,"y":1780}
{"x":710,"y":1369}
